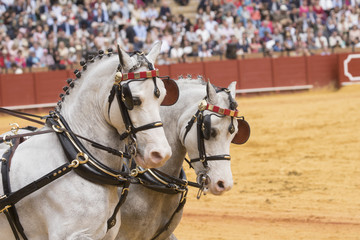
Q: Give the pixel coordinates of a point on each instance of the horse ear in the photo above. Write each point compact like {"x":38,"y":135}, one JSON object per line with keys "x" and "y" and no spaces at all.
{"x":154,"y":52}
{"x":232,"y":88}
{"x":210,"y":92}
{"x":125,"y":60}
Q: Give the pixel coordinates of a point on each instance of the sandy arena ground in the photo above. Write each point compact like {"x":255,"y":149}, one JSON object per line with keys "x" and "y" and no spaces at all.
{"x":298,"y":177}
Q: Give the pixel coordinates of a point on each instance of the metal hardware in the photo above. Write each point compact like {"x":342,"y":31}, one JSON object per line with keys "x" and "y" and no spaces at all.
{"x":9,"y":143}
{"x":74,"y":163}
{"x":123,"y":191}
{"x":15,"y":128}
{"x":202,"y":105}
{"x":136,"y":171}
{"x":57,"y":128}
{"x":83,"y":155}
{"x":118,"y":77}
{"x":5,"y":208}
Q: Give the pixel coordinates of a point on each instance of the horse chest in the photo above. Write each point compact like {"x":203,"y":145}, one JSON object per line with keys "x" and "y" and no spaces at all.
{"x":149,"y":211}
{"x":63,"y":209}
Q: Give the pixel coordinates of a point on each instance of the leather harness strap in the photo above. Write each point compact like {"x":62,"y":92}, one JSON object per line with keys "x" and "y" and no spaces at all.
{"x":93,"y":170}
{"x":9,"y":199}
{"x":22,"y":115}
{"x":199,"y":117}
{"x":11,"y":213}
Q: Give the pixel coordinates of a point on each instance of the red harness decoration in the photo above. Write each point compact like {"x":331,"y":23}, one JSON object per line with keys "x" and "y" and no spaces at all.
{"x":138,"y":75}
{"x":224,"y":111}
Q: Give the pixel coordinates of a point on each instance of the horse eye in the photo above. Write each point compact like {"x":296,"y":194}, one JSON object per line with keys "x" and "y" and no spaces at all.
{"x":137,"y":101}
{"x":213,"y":132}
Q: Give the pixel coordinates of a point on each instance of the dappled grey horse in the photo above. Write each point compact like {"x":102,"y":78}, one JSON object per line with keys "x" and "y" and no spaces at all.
{"x":101,"y":110}
{"x":202,"y":123}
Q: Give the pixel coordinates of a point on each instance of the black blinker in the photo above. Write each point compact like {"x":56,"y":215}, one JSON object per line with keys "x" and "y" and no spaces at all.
{"x":206,"y":127}
{"x":126,"y":96}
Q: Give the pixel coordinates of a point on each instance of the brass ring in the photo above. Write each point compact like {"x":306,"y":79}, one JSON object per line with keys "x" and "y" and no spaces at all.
{"x":15,"y":128}
{"x":74,"y":163}
{"x":57,"y":128}
{"x":85,"y":156}
{"x":9,"y":142}
{"x":134,"y":172}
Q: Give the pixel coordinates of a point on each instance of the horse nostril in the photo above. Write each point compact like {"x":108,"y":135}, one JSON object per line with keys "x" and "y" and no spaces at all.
{"x":221,"y":184}
{"x":156,"y":156}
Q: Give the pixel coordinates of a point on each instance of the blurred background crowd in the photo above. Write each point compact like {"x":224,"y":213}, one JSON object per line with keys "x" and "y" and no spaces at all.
{"x":56,"y":34}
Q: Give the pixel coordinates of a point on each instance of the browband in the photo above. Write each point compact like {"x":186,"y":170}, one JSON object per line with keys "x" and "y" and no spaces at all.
{"x":224,"y":111}
{"x":138,"y":75}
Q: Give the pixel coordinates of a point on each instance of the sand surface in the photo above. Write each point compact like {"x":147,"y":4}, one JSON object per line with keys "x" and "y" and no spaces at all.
{"x":298,"y":177}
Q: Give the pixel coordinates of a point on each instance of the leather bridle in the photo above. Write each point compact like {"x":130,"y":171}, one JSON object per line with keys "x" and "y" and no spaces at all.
{"x":125,"y":100}
{"x":199,"y":118}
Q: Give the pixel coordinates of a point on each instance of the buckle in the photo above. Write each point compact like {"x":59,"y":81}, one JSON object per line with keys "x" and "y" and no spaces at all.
{"x":5,"y":208}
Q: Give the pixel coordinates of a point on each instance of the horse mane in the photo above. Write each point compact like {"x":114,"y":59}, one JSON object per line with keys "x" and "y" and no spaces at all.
{"x":189,"y":80}
{"x":200,"y":81}
{"x":78,"y":73}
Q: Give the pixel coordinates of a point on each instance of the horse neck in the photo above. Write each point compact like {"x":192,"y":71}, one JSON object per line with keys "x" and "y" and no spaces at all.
{"x":191,"y":93}
{"x":85,"y":107}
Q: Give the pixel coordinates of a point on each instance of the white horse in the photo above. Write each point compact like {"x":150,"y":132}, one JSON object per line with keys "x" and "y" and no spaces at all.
{"x":146,"y":212}
{"x":72,"y":207}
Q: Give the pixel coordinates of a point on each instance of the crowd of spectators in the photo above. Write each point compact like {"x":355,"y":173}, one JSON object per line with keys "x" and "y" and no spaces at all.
{"x":58,"y":33}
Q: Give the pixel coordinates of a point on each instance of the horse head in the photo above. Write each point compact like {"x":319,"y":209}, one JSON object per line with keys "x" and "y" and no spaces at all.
{"x":140,"y":93}
{"x":119,"y":95}
{"x":208,"y":144}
